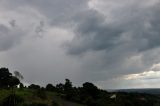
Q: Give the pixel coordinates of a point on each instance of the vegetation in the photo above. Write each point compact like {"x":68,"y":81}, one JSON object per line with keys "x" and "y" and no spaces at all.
{"x":65,"y":94}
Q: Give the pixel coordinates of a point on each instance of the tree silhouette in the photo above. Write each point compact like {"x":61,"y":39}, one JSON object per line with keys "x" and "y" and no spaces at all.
{"x":68,"y":89}
{"x":50,"y":87}
{"x":91,"y":89}
{"x":67,"y":85}
{"x":34,"y":86}
{"x":5,"y":76}
{"x":60,"y":88}
{"x":21,"y":85}
{"x":13,"y":81}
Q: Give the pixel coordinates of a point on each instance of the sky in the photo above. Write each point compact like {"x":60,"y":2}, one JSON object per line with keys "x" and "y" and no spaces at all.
{"x":114,"y":44}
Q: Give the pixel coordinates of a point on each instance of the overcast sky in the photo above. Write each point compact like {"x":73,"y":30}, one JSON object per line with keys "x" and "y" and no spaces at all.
{"x":112,"y":43}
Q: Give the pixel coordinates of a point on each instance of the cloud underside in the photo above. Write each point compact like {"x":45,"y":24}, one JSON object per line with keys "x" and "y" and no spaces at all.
{"x":84,"y":40}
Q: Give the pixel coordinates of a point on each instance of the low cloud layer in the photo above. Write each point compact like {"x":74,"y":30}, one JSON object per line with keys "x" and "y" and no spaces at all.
{"x":83,"y":40}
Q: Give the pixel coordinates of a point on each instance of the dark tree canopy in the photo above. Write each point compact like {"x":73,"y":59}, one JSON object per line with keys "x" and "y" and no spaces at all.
{"x":91,"y":89}
{"x":67,"y":85}
{"x":68,"y":89}
{"x":13,"y":81}
{"x":34,"y":86}
{"x":50,"y":87}
{"x":60,"y":87}
{"x":5,"y":76}
{"x":21,"y":85}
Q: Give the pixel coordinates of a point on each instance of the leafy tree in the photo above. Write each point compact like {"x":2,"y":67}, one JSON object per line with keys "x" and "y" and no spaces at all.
{"x":21,"y":85}
{"x":68,"y":89}
{"x":33,"y":86}
{"x":90,"y":89}
{"x":5,"y":76}
{"x":68,"y":86}
{"x":60,"y":88}
{"x":20,"y":77}
{"x":13,"y":81}
{"x":50,"y":87}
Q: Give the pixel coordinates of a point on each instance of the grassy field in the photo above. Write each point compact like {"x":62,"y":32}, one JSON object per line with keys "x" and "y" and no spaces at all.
{"x":32,"y":97}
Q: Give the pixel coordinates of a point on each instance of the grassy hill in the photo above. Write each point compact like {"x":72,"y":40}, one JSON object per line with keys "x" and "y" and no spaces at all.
{"x":34,"y":98}
{"x":65,"y":94}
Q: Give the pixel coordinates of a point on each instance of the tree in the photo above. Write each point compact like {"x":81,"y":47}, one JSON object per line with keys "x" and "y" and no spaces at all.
{"x":67,"y":85}
{"x":21,"y":85}
{"x":50,"y":87}
{"x":5,"y":76}
{"x":19,"y":76}
{"x":91,"y":89}
{"x":13,"y":81}
{"x":68,"y":89}
{"x":33,"y":86}
{"x":60,"y":88}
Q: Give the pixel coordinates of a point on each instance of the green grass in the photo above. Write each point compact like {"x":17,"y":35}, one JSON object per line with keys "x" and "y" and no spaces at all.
{"x":30,"y":96}
{"x":3,"y":94}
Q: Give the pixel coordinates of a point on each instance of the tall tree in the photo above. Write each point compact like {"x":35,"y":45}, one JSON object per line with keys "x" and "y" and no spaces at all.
{"x":68,"y":89}
{"x":5,"y":76}
{"x":67,"y":85}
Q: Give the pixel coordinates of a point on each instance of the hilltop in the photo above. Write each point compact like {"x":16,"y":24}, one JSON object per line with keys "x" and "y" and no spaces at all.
{"x":35,"y":97}
{"x":65,"y":94}
{"x":31,"y":97}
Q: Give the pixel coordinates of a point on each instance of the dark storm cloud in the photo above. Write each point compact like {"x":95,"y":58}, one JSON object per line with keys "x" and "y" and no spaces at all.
{"x":102,"y":41}
{"x":94,"y":33}
{"x":120,"y":42}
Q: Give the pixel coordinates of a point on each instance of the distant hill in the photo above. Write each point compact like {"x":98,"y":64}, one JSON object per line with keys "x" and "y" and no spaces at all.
{"x":154,"y":91}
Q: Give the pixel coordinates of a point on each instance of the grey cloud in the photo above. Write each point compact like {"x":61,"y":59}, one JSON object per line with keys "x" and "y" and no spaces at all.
{"x":58,"y":12}
{"x":12,"y":23}
{"x":120,"y":41}
{"x":8,"y":37}
{"x":40,"y":28}
{"x":124,"y":41}
{"x":93,"y":33}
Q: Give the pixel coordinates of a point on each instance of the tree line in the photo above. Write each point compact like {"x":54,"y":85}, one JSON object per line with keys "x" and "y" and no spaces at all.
{"x":88,"y":94}
{"x":85,"y":94}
